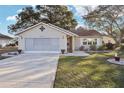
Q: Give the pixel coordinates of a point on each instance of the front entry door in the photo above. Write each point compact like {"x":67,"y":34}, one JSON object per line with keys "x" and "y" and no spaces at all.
{"x":69,"y":44}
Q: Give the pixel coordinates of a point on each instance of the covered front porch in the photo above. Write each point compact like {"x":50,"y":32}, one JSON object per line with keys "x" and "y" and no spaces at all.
{"x":70,"y":44}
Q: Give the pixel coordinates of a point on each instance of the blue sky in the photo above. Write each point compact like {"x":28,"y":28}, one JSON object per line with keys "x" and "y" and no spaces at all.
{"x":77,"y":12}
{"x":8,"y":13}
{"x":7,"y":16}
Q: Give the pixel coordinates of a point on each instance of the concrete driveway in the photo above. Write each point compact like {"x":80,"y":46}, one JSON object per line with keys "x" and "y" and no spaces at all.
{"x":29,"y":71}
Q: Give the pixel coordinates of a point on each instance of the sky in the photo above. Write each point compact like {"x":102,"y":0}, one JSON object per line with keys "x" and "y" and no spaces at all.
{"x":8,"y":13}
{"x":7,"y":16}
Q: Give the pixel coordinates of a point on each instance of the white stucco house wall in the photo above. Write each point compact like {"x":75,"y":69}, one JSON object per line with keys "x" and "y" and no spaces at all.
{"x":4,"y":40}
{"x":50,"y":38}
{"x":87,"y":38}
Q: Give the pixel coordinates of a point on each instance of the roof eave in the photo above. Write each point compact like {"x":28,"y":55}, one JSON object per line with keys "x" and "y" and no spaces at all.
{"x":91,"y":36}
{"x":17,"y":33}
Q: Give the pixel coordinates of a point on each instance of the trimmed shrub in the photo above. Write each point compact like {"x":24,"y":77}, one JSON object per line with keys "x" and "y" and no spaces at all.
{"x":122,"y":41}
{"x":102,"y":47}
{"x":122,"y":47}
{"x":109,"y":46}
{"x":81,"y":48}
{"x":0,"y":46}
{"x":93,"y":47}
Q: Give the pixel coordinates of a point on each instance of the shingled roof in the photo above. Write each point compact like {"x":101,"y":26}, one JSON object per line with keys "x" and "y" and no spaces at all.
{"x":5,"y":36}
{"x":84,"y":32}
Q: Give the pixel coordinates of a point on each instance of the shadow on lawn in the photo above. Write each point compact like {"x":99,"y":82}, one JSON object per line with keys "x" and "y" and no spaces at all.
{"x":89,"y":72}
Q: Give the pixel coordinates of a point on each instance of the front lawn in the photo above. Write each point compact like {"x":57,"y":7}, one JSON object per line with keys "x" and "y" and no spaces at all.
{"x":5,"y":50}
{"x":8,"y":49}
{"x":89,"y":72}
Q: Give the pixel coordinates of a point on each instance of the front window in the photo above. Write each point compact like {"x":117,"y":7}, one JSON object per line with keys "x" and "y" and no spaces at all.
{"x":95,"y":42}
{"x":89,"y":41}
{"x":84,"y":41}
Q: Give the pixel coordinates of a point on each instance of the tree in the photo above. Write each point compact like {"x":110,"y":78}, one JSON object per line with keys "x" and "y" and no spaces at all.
{"x":108,"y":18}
{"x":26,"y":18}
{"x":57,"y":15}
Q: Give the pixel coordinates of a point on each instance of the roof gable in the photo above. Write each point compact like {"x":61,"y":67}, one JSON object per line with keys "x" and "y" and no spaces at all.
{"x":51,"y":26}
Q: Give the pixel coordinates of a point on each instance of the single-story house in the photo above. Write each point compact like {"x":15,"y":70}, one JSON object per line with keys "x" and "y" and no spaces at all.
{"x":44,"y":37}
{"x":4,"y":40}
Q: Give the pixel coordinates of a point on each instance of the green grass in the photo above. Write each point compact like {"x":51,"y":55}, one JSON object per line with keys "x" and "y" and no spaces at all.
{"x":8,"y":49}
{"x":5,"y":50}
{"x":89,"y":72}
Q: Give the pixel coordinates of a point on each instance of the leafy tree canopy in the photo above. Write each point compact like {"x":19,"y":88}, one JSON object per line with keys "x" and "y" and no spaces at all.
{"x":56,"y":15}
{"x":108,"y":18}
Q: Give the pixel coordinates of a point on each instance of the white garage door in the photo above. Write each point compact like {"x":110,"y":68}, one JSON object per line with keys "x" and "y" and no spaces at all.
{"x":42,"y":44}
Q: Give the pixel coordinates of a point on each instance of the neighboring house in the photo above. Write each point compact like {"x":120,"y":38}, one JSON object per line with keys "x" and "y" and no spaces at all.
{"x":49,"y":38}
{"x":4,"y":40}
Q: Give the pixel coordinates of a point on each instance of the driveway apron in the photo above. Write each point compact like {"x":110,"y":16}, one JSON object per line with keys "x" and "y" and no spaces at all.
{"x":29,"y":71}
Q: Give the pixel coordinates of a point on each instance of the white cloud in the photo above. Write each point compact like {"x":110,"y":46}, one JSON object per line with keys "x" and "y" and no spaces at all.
{"x":80,"y":10}
{"x":11,"y":18}
{"x":33,"y":6}
{"x":81,"y":25}
{"x":69,"y":8}
{"x":20,"y":10}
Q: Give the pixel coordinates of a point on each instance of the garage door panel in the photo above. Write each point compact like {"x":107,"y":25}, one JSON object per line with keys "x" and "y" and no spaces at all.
{"x":42,"y":44}
{"x":28,"y":44}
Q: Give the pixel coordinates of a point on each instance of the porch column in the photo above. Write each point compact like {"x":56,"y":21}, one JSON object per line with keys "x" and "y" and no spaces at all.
{"x":99,"y":41}
{"x":69,"y":44}
{"x":73,"y":43}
